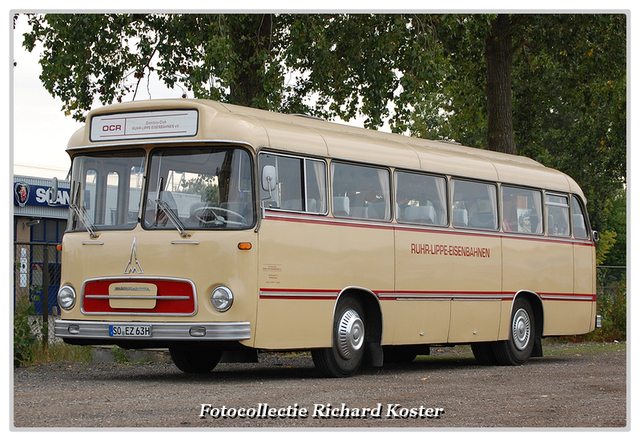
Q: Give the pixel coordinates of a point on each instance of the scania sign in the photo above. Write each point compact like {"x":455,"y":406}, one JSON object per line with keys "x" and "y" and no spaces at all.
{"x":26,"y":194}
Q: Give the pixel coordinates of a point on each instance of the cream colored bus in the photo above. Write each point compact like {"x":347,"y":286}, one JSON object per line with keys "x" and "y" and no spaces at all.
{"x":216,"y":231}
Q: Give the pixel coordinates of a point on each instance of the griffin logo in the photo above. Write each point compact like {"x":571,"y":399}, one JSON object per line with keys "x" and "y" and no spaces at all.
{"x":21,"y":193}
{"x":133,"y":266}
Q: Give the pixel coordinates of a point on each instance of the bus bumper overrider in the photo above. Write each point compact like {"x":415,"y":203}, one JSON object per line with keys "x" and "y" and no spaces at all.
{"x":152,"y":331}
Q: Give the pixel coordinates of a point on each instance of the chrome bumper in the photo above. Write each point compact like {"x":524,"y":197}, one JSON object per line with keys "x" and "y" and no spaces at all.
{"x":160,"y":331}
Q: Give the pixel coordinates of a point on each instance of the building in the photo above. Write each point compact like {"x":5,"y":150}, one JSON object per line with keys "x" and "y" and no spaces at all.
{"x":38,"y":228}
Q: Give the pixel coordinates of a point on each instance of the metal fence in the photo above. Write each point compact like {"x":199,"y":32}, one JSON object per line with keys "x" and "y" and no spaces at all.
{"x":612,"y":299}
{"x":37,"y":280}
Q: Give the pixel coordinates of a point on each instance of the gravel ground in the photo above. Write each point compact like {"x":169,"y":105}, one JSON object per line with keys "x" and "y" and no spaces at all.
{"x":574,"y":385}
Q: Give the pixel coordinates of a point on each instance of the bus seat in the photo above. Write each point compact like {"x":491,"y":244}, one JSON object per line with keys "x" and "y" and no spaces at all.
{"x":341,"y":206}
{"x":360,"y":212}
{"x":424,"y":214}
{"x":483,"y":219}
{"x":377,"y":210}
{"x":460,"y":218}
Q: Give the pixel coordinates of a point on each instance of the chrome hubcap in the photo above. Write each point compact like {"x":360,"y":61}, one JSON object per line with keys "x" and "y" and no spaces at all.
{"x":350,"y":334}
{"x":521,"y":329}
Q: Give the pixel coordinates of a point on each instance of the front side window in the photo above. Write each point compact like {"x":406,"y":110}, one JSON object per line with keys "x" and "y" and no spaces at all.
{"x":106,"y":190}
{"x":360,"y":192}
{"x":474,"y":205}
{"x":199,"y":188}
{"x":301,"y":184}
{"x":579,"y":220}
{"x":521,"y":210}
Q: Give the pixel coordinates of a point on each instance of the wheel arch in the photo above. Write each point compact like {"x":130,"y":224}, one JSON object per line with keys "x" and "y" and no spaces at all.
{"x":538,"y":316}
{"x":372,"y":310}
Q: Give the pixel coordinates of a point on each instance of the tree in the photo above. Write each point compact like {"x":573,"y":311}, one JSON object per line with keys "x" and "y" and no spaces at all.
{"x":568,"y":76}
{"x":549,"y":86}
{"x":498,"y":56}
{"x":350,"y":64}
{"x":106,"y":56}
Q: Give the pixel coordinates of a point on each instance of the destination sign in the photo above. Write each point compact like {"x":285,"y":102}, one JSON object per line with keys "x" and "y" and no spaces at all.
{"x":144,"y":125}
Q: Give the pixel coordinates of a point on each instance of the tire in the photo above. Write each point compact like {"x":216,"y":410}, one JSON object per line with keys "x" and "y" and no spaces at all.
{"x":519,"y":347}
{"x":198,"y":359}
{"x":348,"y":341}
{"x":484,"y":353}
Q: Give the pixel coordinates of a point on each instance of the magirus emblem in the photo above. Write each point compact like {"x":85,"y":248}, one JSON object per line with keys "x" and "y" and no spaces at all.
{"x":133,"y":267}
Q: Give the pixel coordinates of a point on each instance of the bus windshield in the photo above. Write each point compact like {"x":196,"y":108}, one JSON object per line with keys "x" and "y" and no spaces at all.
{"x":199,"y":188}
{"x":106,"y":190}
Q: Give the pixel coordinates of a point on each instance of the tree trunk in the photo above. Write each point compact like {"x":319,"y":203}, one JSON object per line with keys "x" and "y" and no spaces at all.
{"x":498,"y":54}
{"x":251,"y":38}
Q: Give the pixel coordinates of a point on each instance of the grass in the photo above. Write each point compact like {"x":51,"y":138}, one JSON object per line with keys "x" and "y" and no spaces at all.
{"x":555,"y":348}
{"x":58,"y":352}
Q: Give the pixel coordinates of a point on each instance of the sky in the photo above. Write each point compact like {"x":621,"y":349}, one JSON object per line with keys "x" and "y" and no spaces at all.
{"x":41,"y":131}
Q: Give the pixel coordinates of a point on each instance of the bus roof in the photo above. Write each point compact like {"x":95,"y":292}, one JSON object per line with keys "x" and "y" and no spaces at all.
{"x":300,"y":134}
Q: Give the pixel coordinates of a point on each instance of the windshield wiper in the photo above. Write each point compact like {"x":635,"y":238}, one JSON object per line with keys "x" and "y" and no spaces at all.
{"x":168,"y":212}
{"x":175,"y":220}
{"x":81,"y":213}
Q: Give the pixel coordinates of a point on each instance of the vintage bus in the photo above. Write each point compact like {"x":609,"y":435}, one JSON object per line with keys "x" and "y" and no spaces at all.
{"x":215,"y":230}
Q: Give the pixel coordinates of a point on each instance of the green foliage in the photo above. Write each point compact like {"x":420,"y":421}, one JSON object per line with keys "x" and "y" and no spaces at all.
{"x":119,"y":354}
{"x":607,"y":240}
{"x":615,"y":221}
{"x":612,"y":304}
{"x":570,"y":92}
{"x":23,"y":336}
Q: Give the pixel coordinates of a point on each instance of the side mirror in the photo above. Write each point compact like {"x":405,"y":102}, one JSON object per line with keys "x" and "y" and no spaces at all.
{"x":52,"y":193}
{"x":268,"y":178}
{"x":596,"y":236}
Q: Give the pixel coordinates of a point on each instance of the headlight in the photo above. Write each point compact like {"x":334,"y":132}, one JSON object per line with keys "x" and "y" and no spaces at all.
{"x":222,"y":298}
{"x":66,"y":298}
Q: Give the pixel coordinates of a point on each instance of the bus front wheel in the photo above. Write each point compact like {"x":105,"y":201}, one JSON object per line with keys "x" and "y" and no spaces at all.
{"x":195,"y":359}
{"x":519,"y":347}
{"x":345,"y":356}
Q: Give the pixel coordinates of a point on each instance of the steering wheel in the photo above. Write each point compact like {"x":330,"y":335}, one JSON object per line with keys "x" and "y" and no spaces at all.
{"x":213,"y":215}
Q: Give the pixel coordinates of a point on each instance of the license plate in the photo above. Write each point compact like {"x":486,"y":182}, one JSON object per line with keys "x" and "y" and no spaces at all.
{"x":130,"y":331}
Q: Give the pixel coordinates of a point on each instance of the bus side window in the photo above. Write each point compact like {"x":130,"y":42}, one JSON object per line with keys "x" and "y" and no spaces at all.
{"x":365,"y":189}
{"x":557,"y":215}
{"x":474,"y":205}
{"x":521,"y":210}
{"x":421,"y":199}
{"x":578,"y":218}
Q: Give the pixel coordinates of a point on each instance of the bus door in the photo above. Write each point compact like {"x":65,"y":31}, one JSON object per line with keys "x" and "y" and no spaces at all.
{"x":423,"y":306}
{"x":469,"y":262}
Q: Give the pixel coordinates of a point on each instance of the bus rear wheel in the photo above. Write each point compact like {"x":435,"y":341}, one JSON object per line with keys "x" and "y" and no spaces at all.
{"x":345,"y":356}
{"x":195,"y":359}
{"x":484,"y":352}
{"x":519,"y":347}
